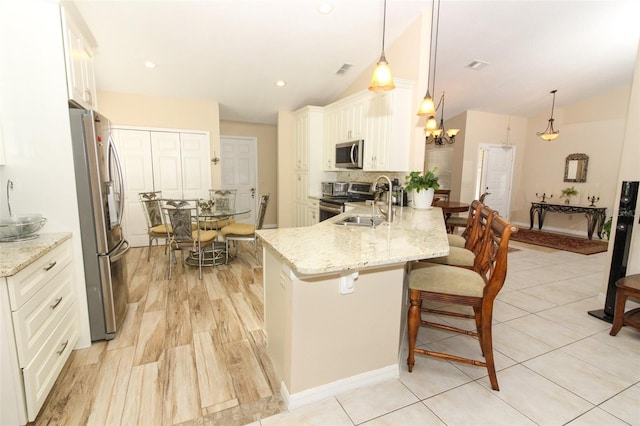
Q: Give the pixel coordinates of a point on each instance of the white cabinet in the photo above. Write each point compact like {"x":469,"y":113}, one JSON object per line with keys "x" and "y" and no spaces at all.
{"x":388,"y":134}
{"x":313,"y":212}
{"x":308,"y":129}
{"x":174,"y":162}
{"x":38,"y":311}
{"x":383,"y":120}
{"x":78,"y":43}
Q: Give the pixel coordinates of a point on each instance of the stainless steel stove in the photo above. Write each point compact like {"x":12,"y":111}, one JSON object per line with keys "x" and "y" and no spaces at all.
{"x":331,"y":206}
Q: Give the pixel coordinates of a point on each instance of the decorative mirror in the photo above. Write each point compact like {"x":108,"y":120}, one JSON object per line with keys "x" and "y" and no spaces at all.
{"x":575,"y":168}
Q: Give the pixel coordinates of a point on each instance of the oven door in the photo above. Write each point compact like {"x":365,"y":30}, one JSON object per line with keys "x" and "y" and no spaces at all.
{"x":328,"y":210}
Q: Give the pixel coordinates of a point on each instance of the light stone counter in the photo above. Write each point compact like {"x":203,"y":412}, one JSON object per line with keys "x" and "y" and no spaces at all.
{"x":326,"y":248}
{"x":16,"y":256}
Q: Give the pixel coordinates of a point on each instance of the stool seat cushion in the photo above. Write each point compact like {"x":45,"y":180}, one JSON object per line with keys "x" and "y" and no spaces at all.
{"x":239,"y":228}
{"x":159,"y":229}
{"x":445,"y":279}
{"x":456,"y":240}
{"x":457,"y":257}
{"x":457,"y":220}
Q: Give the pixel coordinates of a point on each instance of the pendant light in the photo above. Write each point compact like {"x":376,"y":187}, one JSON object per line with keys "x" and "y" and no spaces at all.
{"x":549,"y":133}
{"x":382,"y":80}
{"x":427,"y":106}
{"x":435,"y":133}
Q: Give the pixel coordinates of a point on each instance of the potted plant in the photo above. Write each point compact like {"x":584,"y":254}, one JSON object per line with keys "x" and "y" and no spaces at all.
{"x":606,"y":228}
{"x":423,"y":187}
{"x":567,"y":193}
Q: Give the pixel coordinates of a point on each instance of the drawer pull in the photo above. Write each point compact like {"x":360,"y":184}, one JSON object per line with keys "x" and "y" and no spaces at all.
{"x":56,"y":303}
{"x":64,"y":346}
{"x":49,"y":266}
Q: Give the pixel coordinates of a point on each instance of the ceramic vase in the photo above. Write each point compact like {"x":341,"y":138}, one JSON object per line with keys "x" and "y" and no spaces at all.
{"x":423,"y":199}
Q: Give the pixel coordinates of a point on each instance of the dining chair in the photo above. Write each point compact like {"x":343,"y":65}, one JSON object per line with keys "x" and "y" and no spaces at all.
{"x":223,"y":200}
{"x":238,"y":231}
{"x":182,"y":215}
{"x":476,"y":288}
{"x":441,"y":194}
{"x":461,"y":221}
{"x":156,"y":225}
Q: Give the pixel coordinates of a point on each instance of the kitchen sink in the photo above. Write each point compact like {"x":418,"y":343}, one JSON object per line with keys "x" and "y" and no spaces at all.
{"x":360,"y":221}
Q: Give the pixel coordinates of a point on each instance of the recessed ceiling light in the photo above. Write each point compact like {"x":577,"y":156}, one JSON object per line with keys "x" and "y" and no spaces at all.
{"x":325,"y":8}
{"x":477,"y":65}
{"x":150,"y":64}
{"x":280,"y":83}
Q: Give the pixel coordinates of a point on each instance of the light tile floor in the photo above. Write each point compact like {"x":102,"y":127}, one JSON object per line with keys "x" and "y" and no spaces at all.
{"x":556,"y":364}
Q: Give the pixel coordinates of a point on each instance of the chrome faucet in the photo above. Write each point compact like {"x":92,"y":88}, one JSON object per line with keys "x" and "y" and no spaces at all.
{"x":9,"y":187}
{"x":388,"y":214}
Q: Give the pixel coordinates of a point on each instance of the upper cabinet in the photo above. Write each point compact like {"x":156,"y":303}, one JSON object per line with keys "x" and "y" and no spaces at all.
{"x":388,"y":129}
{"x":383,"y":120}
{"x":78,"y":45}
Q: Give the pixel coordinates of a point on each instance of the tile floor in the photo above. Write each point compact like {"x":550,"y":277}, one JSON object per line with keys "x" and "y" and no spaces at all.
{"x":556,"y":364}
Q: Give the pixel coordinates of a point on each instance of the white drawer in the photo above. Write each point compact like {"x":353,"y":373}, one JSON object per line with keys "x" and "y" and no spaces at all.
{"x":24,"y":284}
{"x":43,"y":371}
{"x":35,"y":321}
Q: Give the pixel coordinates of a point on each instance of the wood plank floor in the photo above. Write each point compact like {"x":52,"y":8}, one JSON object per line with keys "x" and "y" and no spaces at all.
{"x":189,"y":352}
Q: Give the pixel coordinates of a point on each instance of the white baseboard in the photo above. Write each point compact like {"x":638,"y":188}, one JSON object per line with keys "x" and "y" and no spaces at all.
{"x":319,"y":393}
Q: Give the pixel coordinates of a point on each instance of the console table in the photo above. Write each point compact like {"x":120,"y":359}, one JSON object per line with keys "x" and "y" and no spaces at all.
{"x":595,"y":215}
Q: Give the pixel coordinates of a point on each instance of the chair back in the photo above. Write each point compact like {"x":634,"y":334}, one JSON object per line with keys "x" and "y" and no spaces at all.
{"x":480,"y":231}
{"x":180,"y":214}
{"x":264,"y":200}
{"x":491,"y":264}
{"x":442,"y":194}
{"x":472,"y":219}
{"x":483,"y":195}
{"x":151,"y":204}
{"x":223,"y":199}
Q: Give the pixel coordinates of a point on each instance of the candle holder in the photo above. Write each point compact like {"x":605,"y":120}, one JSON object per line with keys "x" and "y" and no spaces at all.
{"x":544,"y":196}
{"x":593,"y":199}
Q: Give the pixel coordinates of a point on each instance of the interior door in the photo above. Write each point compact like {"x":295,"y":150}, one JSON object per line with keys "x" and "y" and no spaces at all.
{"x":196,"y":165}
{"x":238,"y":160}
{"x":167,"y":163}
{"x":496,"y":173}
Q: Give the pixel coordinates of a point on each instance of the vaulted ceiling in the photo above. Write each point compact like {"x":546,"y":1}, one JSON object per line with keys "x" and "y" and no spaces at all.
{"x":233,"y":51}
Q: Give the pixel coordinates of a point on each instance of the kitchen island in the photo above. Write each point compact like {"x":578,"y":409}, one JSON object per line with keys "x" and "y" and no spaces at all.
{"x":335,"y":299}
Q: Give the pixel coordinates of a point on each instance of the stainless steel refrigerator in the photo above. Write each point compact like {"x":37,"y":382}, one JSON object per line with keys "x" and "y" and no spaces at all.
{"x":100,"y":190}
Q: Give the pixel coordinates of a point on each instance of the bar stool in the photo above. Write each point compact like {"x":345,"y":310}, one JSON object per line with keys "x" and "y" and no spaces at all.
{"x":626,"y":287}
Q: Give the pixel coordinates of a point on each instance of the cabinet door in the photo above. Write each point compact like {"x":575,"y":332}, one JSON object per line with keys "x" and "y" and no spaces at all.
{"x":167,"y":163}
{"x":134,"y":147}
{"x":196,"y":169}
{"x":75,"y":58}
{"x":330,"y":140}
{"x":301,"y":140}
{"x":301,"y":187}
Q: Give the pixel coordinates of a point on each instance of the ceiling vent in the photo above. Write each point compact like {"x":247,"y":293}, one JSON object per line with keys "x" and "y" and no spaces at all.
{"x":343,"y":69}
{"x":477,"y":65}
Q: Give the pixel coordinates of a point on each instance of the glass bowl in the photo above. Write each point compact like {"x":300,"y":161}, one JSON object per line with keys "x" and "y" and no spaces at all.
{"x":20,"y":227}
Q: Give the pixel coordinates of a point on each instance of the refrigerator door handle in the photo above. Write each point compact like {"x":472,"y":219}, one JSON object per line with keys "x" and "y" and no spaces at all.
{"x":124,"y":248}
{"x":114,"y":152}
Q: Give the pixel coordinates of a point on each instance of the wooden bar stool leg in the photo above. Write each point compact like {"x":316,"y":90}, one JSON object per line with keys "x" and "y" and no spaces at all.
{"x":413,"y":324}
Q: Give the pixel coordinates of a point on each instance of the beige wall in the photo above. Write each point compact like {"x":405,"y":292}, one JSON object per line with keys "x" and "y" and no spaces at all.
{"x":171,"y":113}
{"x":267,"y":160}
{"x":629,"y":166}
{"x":594,"y":127}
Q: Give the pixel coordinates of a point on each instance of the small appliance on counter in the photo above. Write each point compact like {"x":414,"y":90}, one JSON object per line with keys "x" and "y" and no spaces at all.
{"x":334,"y":189}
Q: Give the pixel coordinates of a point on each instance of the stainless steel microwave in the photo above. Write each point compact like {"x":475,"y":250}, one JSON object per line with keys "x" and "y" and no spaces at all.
{"x":350,"y":155}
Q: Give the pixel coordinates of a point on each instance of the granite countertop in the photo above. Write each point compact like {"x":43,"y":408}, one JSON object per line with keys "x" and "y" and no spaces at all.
{"x":16,"y":256}
{"x":328,"y":248}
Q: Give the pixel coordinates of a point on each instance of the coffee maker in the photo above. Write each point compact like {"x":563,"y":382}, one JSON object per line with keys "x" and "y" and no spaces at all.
{"x":398,"y":193}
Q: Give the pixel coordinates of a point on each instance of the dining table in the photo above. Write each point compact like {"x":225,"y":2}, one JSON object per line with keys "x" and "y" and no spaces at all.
{"x":217,"y":254}
{"x":450,"y":207}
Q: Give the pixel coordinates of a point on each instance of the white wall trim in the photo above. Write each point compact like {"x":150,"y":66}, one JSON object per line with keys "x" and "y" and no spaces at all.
{"x":339,"y":386}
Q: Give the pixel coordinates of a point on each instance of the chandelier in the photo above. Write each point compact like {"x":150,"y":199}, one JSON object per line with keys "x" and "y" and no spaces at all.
{"x":438,"y":135}
{"x":382,"y":80}
{"x":549,"y":133}
{"x":435,"y":133}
